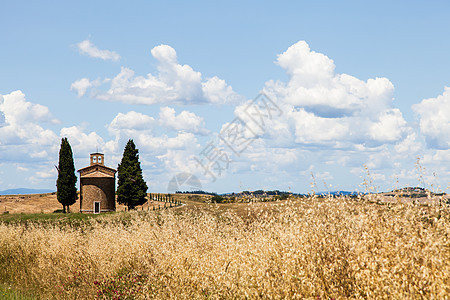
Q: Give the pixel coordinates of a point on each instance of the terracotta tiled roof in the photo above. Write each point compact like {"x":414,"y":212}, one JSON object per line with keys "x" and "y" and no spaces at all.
{"x":97,"y":171}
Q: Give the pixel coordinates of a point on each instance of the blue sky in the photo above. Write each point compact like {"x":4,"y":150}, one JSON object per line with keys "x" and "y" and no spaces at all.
{"x":357,"y":84}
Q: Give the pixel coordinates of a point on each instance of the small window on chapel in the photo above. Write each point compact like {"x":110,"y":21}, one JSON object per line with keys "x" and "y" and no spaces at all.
{"x":94,"y":159}
{"x":99,"y":160}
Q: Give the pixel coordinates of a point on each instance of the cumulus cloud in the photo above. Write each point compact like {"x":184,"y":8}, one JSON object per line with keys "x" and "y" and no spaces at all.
{"x":87,"y":48}
{"x":147,"y":131}
{"x":162,"y":143}
{"x":17,"y":110}
{"x":179,"y":161}
{"x":389,"y":127}
{"x":22,"y":120}
{"x":322,"y":108}
{"x":2,"y":115}
{"x":174,"y":83}
{"x":410,"y":145}
{"x":306,"y":66}
{"x":185,"y":121}
{"x":434,"y":120}
{"x":168,"y":119}
{"x":312,"y":129}
{"x":22,"y":137}
{"x":333,"y":122}
{"x":2,"y":119}
{"x":132,"y":120}
{"x":314,"y":86}
{"x":165,"y":143}
{"x":46,"y":174}
{"x":216,"y":90}
{"x":325,"y":122}
{"x":81,"y":142}
{"x":80,"y":86}
{"x":270,"y":159}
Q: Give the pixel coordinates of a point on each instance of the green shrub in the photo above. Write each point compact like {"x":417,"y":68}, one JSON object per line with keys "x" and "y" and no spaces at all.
{"x":217,"y":199}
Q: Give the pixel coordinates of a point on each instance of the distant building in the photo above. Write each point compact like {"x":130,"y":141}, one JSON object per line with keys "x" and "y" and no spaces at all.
{"x":97,"y":186}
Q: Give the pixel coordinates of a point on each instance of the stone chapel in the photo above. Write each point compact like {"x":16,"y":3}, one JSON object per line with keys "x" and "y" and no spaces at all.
{"x":97,"y":186}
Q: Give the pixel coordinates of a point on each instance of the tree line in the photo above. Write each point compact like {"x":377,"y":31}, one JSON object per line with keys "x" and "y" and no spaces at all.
{"x":131,"y":186}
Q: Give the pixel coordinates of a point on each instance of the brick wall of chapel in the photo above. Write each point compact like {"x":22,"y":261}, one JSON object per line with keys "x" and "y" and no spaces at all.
{"x":98,"y":189}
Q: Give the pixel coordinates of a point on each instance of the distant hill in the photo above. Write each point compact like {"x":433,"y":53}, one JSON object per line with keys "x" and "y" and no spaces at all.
{"x":338,"y":193}
{"x":24,"y":191}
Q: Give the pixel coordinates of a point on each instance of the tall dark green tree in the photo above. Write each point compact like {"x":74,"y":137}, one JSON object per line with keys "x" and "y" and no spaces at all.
{"x":131,"y":187}
{"x":67,"y":179}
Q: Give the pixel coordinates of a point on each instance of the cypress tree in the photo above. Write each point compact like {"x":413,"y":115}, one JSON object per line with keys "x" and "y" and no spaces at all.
{"x":131,"y":187}
{"x":66,"y":190}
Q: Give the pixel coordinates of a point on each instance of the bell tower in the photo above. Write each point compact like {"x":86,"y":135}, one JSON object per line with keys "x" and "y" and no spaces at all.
{"x":97,"y":159}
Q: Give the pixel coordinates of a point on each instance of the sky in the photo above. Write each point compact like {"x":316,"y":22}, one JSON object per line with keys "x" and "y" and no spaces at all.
{"x":226,"y":96}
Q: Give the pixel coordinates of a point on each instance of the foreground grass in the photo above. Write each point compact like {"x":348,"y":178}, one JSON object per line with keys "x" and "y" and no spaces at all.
{"x":306,"y":248}
{"x":43,"y":217}
{"x":52,"y":219}
{"x":8,"y":293}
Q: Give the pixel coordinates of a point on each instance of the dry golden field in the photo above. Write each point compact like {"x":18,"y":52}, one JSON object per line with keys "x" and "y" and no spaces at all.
{"x":305,"y":248}
{"x":47,"y":203}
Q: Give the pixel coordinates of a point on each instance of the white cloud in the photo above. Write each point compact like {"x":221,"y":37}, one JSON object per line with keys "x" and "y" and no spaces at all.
{"x":25,"y":144}
{"x":410,"y":145}
{"x":127,"y":88}
{"x":182,"y":80}
{"x":185,"y":122}
{"x":81,"y":86}
{"x":182,"y":140}
{"x":22,"y":169}
{"x":271,"y":159}
{"x":42,"y":174}
{"x":322,"y":108}
{"x":87,"y":48}
{"x":177,"y":161}
{"x":330,"y":123}
{"x":81,"y":143}
{"x":434,"y":114}
{"x":312,"y":129}
{"x":389,"y":127}
{"x":2,"y":115}
{"x":314,"y":85}
{"x":22,"y":137}
{"x":166,"y":55}
{"x":132,"y":120}
{"x":335,"y":122}
{"x":306,"y":66}
{"x":174,"y":83}
{"x":47,"y":174}
{"x":323,"y":176}
{"x":163,"y":151}
{"x":17,"y":110}
{"x":217,"y":91}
